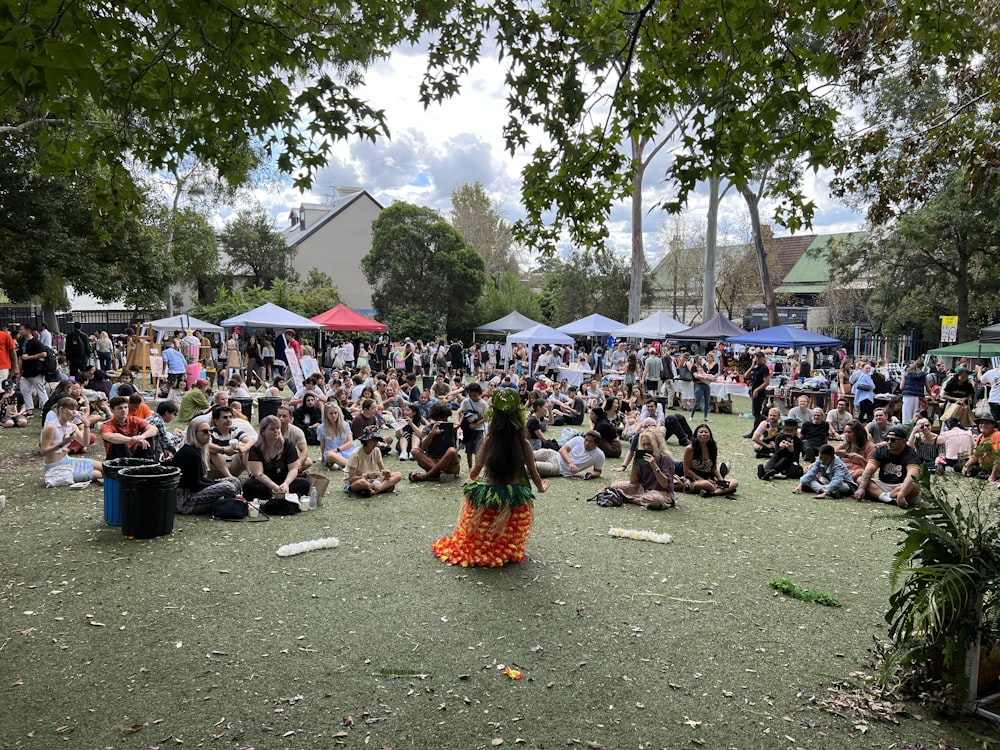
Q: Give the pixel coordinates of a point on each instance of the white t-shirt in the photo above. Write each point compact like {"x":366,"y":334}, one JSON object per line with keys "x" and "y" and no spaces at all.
{"x":992,"y":379}
{"x":580,"y":456}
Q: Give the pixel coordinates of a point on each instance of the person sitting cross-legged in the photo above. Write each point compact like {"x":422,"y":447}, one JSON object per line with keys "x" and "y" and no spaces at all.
{"x":651,"y":482}
{"x":828,"y":476}
{"x":62,"y":470}
{"x":787,"y":451}
{"x":125,"y":436}
{"x":196,"y":493}
{"x":897,"y":465}
{"x":366,"y":474}
{"x":437,"y":453}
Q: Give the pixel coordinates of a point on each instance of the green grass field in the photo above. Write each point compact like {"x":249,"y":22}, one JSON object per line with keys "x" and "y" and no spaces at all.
{"x":207,"y":639}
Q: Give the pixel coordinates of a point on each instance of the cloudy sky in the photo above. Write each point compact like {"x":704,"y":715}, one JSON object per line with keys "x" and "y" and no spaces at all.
{"x":432,"y":151}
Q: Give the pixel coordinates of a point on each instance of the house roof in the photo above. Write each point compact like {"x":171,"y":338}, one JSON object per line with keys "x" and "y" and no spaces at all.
{"x":294,"y":235}
{"x":811,"y":272}
{"x":789,"y":250}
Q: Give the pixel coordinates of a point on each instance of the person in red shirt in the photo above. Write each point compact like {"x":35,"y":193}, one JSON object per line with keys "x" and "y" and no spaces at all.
{"x":8,"y":357}
{"x":125,"y":436}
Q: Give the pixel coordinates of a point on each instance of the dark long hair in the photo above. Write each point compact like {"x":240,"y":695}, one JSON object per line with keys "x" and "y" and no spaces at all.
{"x":713,"y":448}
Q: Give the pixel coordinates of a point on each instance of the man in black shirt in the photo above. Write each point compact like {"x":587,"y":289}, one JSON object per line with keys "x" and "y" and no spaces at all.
{"x":787,"y":449}
{"x":897,"y":465}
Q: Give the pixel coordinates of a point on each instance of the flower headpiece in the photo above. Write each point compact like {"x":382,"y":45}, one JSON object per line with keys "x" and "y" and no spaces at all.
{"x":505,"y":409}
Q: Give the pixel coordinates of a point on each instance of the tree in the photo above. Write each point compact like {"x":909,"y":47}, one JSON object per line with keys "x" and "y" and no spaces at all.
{"x":257,"y":250}
{"x":940,"y":259}
{"x":508,"y":295}
{"x":51,"y":238}
{"x":419,"y":262}
{"x":97,"y":83}
{"x":588,"y":281}
{"x":317,"y":294}
{"x":185,"y":238}
{"x":479,"y":219}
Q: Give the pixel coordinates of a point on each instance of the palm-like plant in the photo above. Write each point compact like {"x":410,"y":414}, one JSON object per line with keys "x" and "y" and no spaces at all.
{"x":946,"y":563}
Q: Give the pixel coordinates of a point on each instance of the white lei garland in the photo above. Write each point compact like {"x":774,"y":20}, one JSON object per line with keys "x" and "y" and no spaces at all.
{"x":297,"y":548}
{"x":643,"y":536}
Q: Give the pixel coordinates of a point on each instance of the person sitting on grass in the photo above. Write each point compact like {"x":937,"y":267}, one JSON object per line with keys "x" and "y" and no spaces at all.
{"x":195,"y":491}
{"x":815,"y":434}
{"x":651,"y":482}
{"x":126,"y":436}
{"x":838,"y":418}
{"x":957,"y":442}
{"x":984,"y":461}
{"x":801,"y":411}
{"x":856,"y":449}
{"x":577,"y":454}
{"x":784,"y":462}
{"x":195,"y":401}
{"x":827,"y":477}
{"x":767,"y":431}
{"x":366,"y":474}
{"x":437,"y":453}
{"x":12,"y":408}
{"x":273,"y":464}
{"x":335,"y":437}
{"x":701,"y":466}
{"x":60,"y":469}
{"x":925,"y":443}
{"x":307,"y":417}
{"x":409,"y":432}
{"x":897,"y":466}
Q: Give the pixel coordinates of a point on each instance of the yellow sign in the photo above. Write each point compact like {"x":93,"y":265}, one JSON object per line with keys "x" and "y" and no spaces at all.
{"x":949,"y":320}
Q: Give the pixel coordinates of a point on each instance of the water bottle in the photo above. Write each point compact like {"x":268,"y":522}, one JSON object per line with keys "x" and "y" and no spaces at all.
{"x":313,"y":499}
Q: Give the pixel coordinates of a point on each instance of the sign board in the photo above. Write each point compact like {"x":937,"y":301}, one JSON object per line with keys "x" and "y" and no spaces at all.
{"x":949,"y":329}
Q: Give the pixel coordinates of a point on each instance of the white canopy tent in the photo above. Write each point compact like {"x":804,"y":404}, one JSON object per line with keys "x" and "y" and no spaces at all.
{"x":182,"y":323}
{"x":592,"y":325}
{"x":509,"y":323}
{"x":270,"y":316}
{"x":538,"y":334}
{"x":657,"y":326}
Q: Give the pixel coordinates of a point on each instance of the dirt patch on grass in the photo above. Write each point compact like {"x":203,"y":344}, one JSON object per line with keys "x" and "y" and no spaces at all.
{"x":14,"y":461}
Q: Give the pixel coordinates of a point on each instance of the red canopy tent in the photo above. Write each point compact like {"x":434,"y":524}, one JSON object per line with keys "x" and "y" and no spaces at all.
{"x":343,"y":318}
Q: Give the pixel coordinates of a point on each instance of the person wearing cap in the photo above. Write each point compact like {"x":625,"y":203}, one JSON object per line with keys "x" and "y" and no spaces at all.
{"x":985,"y":453}
{"x":366,"y":474}
{"x":577,"y":454}
{"x":785,"y":459}
{"x":195,"y":401}
{"x":897,"y":465}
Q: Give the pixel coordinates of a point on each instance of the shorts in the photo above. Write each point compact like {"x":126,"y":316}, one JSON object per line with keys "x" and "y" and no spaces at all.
{"x":66,"y":471}
{"x":472,"y":440}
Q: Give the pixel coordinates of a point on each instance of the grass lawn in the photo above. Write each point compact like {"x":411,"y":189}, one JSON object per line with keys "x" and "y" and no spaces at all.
{"x":207,"y":638}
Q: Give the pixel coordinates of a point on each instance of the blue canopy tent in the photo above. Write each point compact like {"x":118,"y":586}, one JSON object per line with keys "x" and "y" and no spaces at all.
{"x":784,"y":336}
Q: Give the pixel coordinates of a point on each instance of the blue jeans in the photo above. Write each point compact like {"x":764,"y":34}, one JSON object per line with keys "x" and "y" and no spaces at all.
{"x":703,"y":395}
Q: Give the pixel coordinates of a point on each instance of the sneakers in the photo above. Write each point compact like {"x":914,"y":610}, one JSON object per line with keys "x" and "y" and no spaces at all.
{"x":760,"y":471}
{"x":404,"y":456}
{"x":885,"y":497}
{"x":748,"y":435}
{"x":723,"y":469}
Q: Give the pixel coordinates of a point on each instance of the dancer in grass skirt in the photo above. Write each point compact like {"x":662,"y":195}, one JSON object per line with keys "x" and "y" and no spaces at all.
{"x":496,"y":513}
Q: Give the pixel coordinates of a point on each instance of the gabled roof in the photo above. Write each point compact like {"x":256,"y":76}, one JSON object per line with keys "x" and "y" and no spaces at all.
{"x":811,"y":273}
{"x":294,"y":235}
{"x":789,"y":250}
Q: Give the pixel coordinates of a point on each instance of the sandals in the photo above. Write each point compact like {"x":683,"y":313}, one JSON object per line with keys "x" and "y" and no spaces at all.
{"x":414,"y":476}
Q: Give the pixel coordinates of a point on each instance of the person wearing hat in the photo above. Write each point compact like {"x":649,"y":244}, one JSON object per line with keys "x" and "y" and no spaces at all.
{"x":366,"y":474}
{"x":195,"y":401}
{"x":787,"y":450}
{"x":577,"y":454}
{"x":897,"y":465}
{"x":12,"y":407}
{"x":983,"y":461}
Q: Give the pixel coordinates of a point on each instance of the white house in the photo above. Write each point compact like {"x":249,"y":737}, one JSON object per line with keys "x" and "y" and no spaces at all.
{"x":334,"y":238}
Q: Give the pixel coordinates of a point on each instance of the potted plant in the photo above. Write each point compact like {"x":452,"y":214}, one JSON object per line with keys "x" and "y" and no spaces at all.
{"x":943,"y":613}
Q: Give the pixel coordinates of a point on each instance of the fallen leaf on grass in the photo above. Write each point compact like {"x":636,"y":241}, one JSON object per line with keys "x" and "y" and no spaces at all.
{"x":692,"y":723}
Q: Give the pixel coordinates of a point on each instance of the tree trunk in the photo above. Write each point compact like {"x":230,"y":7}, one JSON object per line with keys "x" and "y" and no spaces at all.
{"x":49,"y":316}
{"x":638,"y":250}
{"x":962,"y":288}
{"x":770,"y":302}
{"x":711,"y":238}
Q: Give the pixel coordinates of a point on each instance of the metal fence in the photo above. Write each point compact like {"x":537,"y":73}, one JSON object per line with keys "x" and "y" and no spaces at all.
{"x":113,"y":321}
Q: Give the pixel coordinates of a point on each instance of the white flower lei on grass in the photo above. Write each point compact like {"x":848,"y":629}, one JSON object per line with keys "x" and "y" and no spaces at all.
{"x":287,"y":550}
{"x":643,"y":536}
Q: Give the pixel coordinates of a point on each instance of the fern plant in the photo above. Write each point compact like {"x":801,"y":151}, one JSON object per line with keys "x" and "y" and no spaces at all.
{"x":946,"y":563}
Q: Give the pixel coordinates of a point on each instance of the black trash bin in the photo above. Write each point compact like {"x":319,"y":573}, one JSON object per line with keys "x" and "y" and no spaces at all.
{"x":247,"y":404}
{"x":267,"y":406}
{"x":112,"y":488}
{"x":149,"y":497}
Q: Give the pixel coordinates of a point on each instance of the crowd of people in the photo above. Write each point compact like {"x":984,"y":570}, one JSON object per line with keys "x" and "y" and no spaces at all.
{"x":517,"y":425}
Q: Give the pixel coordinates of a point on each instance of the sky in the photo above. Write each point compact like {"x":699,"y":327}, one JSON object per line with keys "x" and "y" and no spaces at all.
{"x":432,"y":151}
